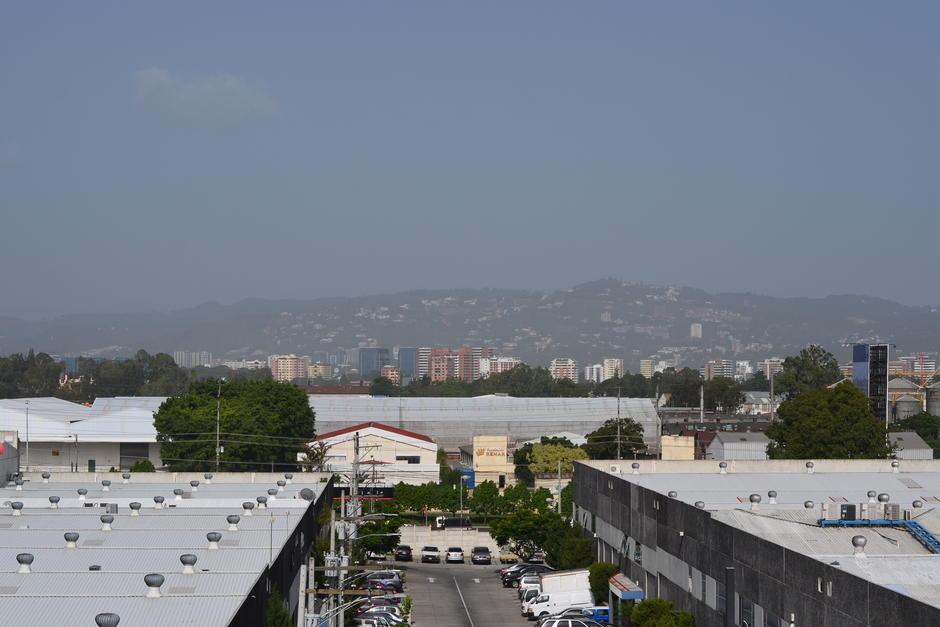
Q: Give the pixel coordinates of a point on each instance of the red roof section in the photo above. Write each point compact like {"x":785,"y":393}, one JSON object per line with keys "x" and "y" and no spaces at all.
{"x":377,"y":425}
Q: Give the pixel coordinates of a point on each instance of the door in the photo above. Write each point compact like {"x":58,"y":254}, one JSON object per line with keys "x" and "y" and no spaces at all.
{"x":91,"y":465}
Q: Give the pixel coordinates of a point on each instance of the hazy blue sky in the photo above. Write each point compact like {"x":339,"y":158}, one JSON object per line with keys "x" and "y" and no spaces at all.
{"x":159,"y":156}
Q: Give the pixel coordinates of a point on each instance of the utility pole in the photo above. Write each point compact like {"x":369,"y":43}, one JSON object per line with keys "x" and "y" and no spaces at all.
{"x":218,"y":420}
{"x":558,"y":488}
{"x":618,"y":422}
{"x":27,"y":436}
{"x":772,"y":403}
{"x":701,"y":404}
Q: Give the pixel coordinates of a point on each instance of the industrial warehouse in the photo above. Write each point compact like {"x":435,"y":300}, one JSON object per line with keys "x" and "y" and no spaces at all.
{"x":772,"y":543}
{"x":155,"y":549}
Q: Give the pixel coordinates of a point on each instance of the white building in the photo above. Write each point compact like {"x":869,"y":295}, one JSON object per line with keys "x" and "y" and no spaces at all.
{"x":564,"y":368}
{"x":191,"y":359}
{"x":495,"y":365}
{"x":594,"y":373}
{"x":695,"y":330}
{"x":613,"y":368}
{"x":387,"y":455}
{"x":246,"y":364}
{"x":770,"y":366}
{"x":737,"y":445}
{"x":743,"y":370}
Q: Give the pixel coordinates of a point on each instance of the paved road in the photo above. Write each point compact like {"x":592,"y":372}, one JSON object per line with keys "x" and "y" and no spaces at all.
{"x":455,"y":595}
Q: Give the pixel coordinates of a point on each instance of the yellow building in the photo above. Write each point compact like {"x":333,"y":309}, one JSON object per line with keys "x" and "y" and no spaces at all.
{"x":678,"y":447}
{"x":490,"y":459}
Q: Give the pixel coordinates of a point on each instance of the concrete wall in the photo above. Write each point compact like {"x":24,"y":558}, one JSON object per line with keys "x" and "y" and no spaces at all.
{"x":639,"y":529}
{"x":417,"y":536}
{"x":59,"y":456}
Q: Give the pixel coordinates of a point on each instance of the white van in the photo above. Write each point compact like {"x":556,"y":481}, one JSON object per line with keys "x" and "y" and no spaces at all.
{"x":554,"y":602}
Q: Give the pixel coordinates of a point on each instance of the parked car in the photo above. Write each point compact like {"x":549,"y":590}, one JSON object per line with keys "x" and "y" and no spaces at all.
{"x":529,"y":582}
{"x":378,"y":606}
{"x":481,"y":555}
{"x":537,"y":558}
{"x":388,"y":579}
{"x":402,"y":553}
{"x":430,"y":554}
{"x":570,"y":622}
{"x":388,"y":617}
{"x":454,"y":555}
{"x":511,"y":579}
{"x":599,"y":613}
{"x":506,"y":556}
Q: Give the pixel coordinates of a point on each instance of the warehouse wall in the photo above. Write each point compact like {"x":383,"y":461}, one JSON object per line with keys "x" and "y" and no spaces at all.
{"x":640,"y":529}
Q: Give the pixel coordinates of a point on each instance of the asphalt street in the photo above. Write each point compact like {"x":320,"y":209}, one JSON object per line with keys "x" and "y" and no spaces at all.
{"x":461,"y":595}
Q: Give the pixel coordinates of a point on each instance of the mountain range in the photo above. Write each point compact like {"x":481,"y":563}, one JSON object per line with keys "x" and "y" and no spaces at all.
{"x":605,"y":318}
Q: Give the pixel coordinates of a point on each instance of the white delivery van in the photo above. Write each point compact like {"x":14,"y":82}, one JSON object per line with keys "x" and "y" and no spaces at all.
{"x":560,"y":591}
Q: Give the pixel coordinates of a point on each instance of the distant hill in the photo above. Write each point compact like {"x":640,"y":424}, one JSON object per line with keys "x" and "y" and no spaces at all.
{"x":606,"y":318}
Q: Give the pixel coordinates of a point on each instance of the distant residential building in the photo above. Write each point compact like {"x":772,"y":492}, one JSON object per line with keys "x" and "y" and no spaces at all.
{"x":246,"y":364}
{"x":564,"y":368}
{"x":718,"y":368}
{"x":495,"y":365}
{"x":320,"y":370}
{"x":646,"y":368}
{"x":423,"y":360}
{"x":870,"y":375}
{"x":441,"y":364}
{"x":191,"y":359}
{"x":392,"y":373}
{"x":743,"y":370}
{"x":388,"y":455}
{"x":757,"y":403}
{"x":695,"y":330}
{"x":408,"y":363}
{"x":594,"y":373}
{"x":613,"y":368}
{"x":770,"y":366}
{"x":288,"y":367}
{"x":371,"y":360}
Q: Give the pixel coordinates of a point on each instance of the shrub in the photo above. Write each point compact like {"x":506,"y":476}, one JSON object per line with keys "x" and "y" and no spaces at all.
{"x":143,"y":465}
{"x":600,"y":572}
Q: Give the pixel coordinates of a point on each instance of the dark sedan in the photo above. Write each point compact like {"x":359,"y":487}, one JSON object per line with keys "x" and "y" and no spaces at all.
{"x":403,"y":553}
{"x":481,"y":555}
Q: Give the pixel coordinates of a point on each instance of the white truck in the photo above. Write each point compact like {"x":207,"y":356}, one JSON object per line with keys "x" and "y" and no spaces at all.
{"x":560,"y":591}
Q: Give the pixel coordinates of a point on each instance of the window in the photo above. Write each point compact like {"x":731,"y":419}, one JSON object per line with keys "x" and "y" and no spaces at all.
{"x":410,"y":459}
{"x":747,"y":612}
{"x":720,"y":597}
{"x":502,"y":481}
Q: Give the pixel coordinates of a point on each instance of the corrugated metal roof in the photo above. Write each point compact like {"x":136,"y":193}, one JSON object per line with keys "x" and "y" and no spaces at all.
{"x":80,"y":611}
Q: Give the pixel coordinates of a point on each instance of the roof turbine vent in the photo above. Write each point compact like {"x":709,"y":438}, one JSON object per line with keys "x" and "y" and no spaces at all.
{"x":808,"y":504}
{"x":24,"y":559}
{"x":135,"y":508}
{"x":17,"y":508}
{"x":45,"y":477}
{"x":723,"y":468}
{"x":158,"y":502}
{"x":858,"y":545}
{"x":54,"y":502}
{"x":71,"y":539}
{"x":262,"y":502}
{"x":700,"y":504}
{"x":755,"y":501}
{"x":871,"y":496}
{"x":306,"y":494}
{"x":672,"y":494}
{"x":233,"y":521}
{"x":280,"y":485}
{"x":636,"y":467}
{"x":289,"y":477}
{"x":247,"y":506}
{"x":19,"y":484}
{"x":194,"y":485}
{"x":153,"y":581}
{"x":884,"y":497}
{"x":125,"y":477}
{"x":106,"y":485}
{"x":917,"y":504}
{"x":272,"y":494}
{"x":107,"y":619}
{"x":81,"y":493}
{"x":895,"y":466}
{"x":179,"y":493}
{"x":208,"y":477}
{"x":810,"y":468}
{"x":188,"y":560}
{"x":213,"y":537}
{"x":772,"y":497}
{"x":106,"y":520}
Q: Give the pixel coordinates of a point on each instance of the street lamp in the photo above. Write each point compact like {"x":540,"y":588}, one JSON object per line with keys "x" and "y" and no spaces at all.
{"x":27,"y":436}
{"x":463,"y":479}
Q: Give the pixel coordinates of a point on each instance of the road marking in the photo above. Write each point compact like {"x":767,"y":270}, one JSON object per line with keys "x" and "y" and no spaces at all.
{"x":475,"y":580}
{"x":430,"y":579}
{"x":463,"y":602}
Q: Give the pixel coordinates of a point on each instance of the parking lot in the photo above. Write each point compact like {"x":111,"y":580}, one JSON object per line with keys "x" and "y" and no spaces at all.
{"x":460,"y":595}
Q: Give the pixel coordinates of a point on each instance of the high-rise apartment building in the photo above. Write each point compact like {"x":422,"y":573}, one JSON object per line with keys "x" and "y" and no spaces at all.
{"x":646,"y":368}
{"x":288,"y":367}
{"x":495,"y":365}
{"x":191,"y":359}
{"x":564,"y":368}
{"x":246,"y":364}
{"x":371,"y":360}
{"x":392,"y":373}
{"x":770,"y":366}
{"x":870,"y":375}
{"x":441,"y":363}
{"x":320,"y":370}
{"x":408,"y":363}
{"x":695,"y":330}
{"x":594,"y":373}
{"x":743,"y":370}
{"x":613,"y":368}
{"x":718,"y":368}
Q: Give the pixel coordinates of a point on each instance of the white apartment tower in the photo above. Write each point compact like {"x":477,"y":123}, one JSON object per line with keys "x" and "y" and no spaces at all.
{"x":564,"y":368}
{"x":613,"y":368}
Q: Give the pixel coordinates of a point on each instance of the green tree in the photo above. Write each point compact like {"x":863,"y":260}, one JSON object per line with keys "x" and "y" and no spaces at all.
{"x":724,"y":394}
{"x":567,"y":498}
{"x":659,"y":613}
{"x":602,"y":443}
{"x":923,"y":424}
{"x":375,"y":535}
{"x":545,"y":458}
{"x":757,"y":383}
{"x":813,"y":368}
{"x":263,"y":423}
{"x":522,"y":457}
{"x":277,"y":614}
{"x":598,"y":576}
{"x":683,"y":386}
{"x":383,"y":386}
{"x":570,"y":550}
{"x":825,"y":423}
{"x":523,"y":530}
{"x":485,"y":499}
